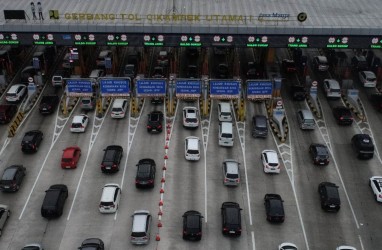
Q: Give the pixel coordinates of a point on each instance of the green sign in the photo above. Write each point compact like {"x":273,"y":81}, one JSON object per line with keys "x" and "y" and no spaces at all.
{"x":4,"y":42}
{"x":43,"y":43}
{"x":85,"y":43}
{"x":118,"y":43}
{"x":263,"y":45}
{"x":297,"y":45}
{"x":337,"y":46}
{"x":376,"y":46}
{"x":153,"y":43}
{"x":190,"y":44}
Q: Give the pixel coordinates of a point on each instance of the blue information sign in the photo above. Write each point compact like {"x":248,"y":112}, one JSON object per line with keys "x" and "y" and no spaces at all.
{"x":224,"y":89}
{"x":313,"y":90}
{"x":151,"y":87}
{"x":115,"y":87}
{"x":260,"y":89}
{"x":79,"y":87}
{"x":188,"y":88}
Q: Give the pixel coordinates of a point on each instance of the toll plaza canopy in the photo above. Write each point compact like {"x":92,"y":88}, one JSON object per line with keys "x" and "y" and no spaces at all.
{"x":246,"y":23}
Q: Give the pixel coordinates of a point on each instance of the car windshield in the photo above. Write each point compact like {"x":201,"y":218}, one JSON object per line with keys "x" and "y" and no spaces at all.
{"x":66,"y":159}
{"x":32,"y":248}
{"x":109,"y":156}
{"x":144,"y":171}
{"x":106,"y":204}
{"x":76,"y":125}
{"x":116,"y":110}
{"x":232,"y":176}
{"x":226,"y":135}
{"x":11,"y":94}
{"x":191,"y":120}
{"x":192,"y":151}
{"x":309,"y":121}
{"x":193,"y":222}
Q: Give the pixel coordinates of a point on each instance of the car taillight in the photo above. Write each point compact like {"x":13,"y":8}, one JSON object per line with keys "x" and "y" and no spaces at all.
{"x":237,"y":180}
{"x":148,"y":126}
{"x":112,"y":206}
{"x":278,"y":167}
{"x":225,"y":179}
{"x":145,"y":238}
{"x":136,"y":181}
{"x":114,"y":166}
{"x":341,"y":118}
{"x":225,"y":229}
{"x":151,"y":181}
{"x":380,"y":195}
{"x":159,"y":126}
{"x":133,"y":238}
{"x":100,"y":205}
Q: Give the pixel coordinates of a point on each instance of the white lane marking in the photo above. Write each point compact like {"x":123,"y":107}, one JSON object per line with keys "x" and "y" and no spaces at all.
{"x":42,"y":166}
{"x":290,"y":174}
{"x":360,"y":242}
{"x":92,"y":140}
{"x":253,"y":240}
{"x":339,"y":173}
{"x":6,"y":142}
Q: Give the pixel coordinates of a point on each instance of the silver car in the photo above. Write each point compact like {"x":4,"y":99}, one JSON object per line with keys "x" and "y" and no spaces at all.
{"x":33,"y":246}
{"x":231,"y":173}
{"x":4,"y":215}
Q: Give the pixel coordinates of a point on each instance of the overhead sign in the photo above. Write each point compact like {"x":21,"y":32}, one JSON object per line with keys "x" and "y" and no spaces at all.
{"x":79,"y":87}
{"x":259,"y":89}
{"x":188,"y":88}
{"x":151,"y":87}
{"x":115,"y":87}
{"x":224,"y":89}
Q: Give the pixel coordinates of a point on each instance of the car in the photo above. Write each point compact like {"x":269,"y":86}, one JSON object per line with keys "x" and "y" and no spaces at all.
{"x":320,"y":63}
{"x":343,"y":115}
{"x":67,"y":61}
{"x":345,"y":248}
{"x":88,"y":103}
{"x":368,"y":79}
{"x":157,"y":100}
{"x":359,"y":62}
{"x":374,"y":98}
{"x":48,"y":104}
{"x":192,"y":148}
{"x":58,"y":77}
{"x":70,"y":157}
{"x":270,"y":161}
{"x":111,"y":195}
{"x":287,"y":246}
{"x":12,"y":178}
{"x":7,"y":112}
{"x":79,"y":123}
{"x":375,"y":182}
{"x":190,"y":117}
{"x":329,"y":196}
{"x":319,"y":154}
{"x":274,"y":208}
{"x":145,"y":176}
{"x":92,"y":244}
{"x":231,"y":172}
{"x":141,"y":227}
{"x":298,"y":92}
{"x":289,"y":66}
{"x":111,"y":158}
{"x":31,"y":141}
{"x":363,"y":146}
{"x":252,"y":72}
{"x":231,"y":218}
{"x":222,"y":71}
{"x":4,"y":215}
{"x":155,"y":122}
{"x":192,"y":71}
{"x":162,"y":59}
{"x":192,"y":225}
{"x":54,"y":201}
{"x":16,"y":93}
{"x":332,"y":89}
{"x":129,"y":71}
{"x":33,"y":246}
{"x":158,"y":72}
{"x":119,"y":108}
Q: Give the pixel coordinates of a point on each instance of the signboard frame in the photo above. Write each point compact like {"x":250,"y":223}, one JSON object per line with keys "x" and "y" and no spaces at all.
{"x":162,"y":89}
{"x":230,"y":92}
{"x":115,"y":81}
{"x":195,"y":91}
{"x":253,"y":95}
{"x":71,"y":93}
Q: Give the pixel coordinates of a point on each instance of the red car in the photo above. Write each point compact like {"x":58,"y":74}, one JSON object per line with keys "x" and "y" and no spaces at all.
{"x":70,"y":157}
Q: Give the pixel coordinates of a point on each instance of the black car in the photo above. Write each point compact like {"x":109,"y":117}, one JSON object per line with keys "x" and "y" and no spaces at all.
{"x":92,"y":244}
{"x":274,"y":208}
{"x":31,"y":141}
{"x":330,"y":198}
{"x":363,"y":146}
{"x":157,"y":100}
{"x":145,"y":173}
{"x":289,"y":66}
{"x":376,"y":100}
{"x":12,"y":178}
{"x":111,"y":159}
{"x":222,"y":71}
{"x":192,"y":225}
{"x":231,"y":218}
{"x":48,"y":104}
{"x":319,"y":154}
{"x":192,"y":71}
{"x":54,"y":201}
{"x":155,"y":122}
{"x":298,"y":92}
{"x":343,"y":115}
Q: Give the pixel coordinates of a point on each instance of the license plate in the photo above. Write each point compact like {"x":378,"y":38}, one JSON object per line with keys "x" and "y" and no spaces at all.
{"x":44,"y":109}
{"x":231,"y":232}
{"x":143,"y":182}
{"x":322,"y":163}
{"x":6,"y":186}
{"x":332,"y":206}
{"x":67,"y":166}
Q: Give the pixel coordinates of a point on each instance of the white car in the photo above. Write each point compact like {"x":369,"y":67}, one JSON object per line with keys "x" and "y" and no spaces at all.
{"x":16,"y":93}
{"x":270,"y":161}
{"x":4,"y":215}
{"x":79,"y":123}
{"x":287,"y":246}
{"x":111,"y":194}
{"x":375,"y":183}
{"x":192,"y":148}
{"x":345,"y":248}
{"x":190,"y":117}
{"x":368,"y":79}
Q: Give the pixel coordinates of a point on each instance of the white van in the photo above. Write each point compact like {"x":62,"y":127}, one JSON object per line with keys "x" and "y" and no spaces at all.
{"x":332,"y":89}
{"x":192,"y":148}
{"x":140,"y":232}
{"x":224,"y":112}
{"x":306,"y":119}
{"x":119,"y":108}
{"x":226,"y":134}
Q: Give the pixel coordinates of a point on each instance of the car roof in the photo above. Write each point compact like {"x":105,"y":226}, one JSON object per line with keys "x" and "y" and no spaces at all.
{"x":232,"y":166}
{"x":108,"y":192}
{"x":193,"y":142}
{"x":271,"y":155}
{"x":69,"y":151}
{"x":9,"y":173}
{"x":92,"y":241}
{"x":78,"y":118}
{"x":369,"y":73}
{"x":15,"y":87}
{"x":139,"y":220}
{"x":333,"y":83}
{"x":322,"y":59}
